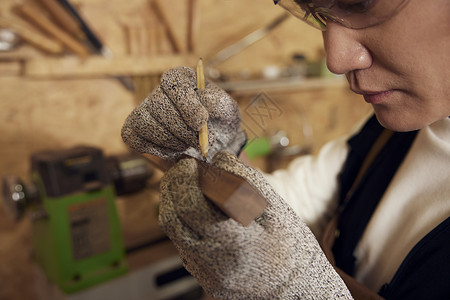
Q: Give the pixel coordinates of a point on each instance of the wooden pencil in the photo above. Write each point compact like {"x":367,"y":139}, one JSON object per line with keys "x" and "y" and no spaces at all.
{"x":203,"y":133}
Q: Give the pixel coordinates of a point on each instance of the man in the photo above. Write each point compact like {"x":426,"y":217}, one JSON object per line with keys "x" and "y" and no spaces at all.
{"x":378,"y":200}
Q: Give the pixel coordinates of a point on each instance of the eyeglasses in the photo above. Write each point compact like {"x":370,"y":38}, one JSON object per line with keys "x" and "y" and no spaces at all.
{"x":355,"y":14}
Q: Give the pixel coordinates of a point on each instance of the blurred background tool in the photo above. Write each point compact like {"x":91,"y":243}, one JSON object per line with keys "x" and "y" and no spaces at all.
{"x":31,"y":35}
{"x":94,"y":41}
{"x":8,"y":39}
{"x":164,"y":20}
{"x":64,"y":18}
{"x":193,"y":25}
{"x":245,"y":42}
{"x":155,"y":32}
{"x":68,"y":27}
{"x":76,"y":232}
{"x":33,"y":14}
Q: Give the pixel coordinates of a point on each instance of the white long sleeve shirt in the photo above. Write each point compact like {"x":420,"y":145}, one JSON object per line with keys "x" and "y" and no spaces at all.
{"x":416,"y":201}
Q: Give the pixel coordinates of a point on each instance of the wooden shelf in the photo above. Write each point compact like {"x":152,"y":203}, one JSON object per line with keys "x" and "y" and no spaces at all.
{"x":98,"y":66}
{"x":246,"y":87}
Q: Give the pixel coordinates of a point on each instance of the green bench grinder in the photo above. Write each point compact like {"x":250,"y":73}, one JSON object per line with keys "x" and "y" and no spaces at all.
{"x":76,"y":231}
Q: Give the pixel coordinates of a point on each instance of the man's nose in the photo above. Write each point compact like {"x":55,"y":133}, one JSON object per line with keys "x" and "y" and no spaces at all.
{"x":345,"y":53}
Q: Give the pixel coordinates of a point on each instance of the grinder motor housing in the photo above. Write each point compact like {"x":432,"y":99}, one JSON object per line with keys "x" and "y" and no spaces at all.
{"x":76,"y":230}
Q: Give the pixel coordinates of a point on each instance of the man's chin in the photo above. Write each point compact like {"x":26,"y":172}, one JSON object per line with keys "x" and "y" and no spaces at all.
{"x":397,"y":122}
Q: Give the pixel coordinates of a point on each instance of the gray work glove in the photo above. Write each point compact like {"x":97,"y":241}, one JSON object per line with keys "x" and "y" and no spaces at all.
{"x":167,"y":122}
{"x":275,"y":257}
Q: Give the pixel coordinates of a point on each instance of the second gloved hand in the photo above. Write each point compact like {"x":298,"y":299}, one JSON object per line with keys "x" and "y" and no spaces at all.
{"x":167,"y":122}
{"x":275,"y":257}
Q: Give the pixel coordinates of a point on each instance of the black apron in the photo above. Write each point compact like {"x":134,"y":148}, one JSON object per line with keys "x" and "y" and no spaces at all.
{"x":425,"y":272}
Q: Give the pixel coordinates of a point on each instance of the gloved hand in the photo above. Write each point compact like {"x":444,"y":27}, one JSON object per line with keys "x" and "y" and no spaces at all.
{"x":275,"y":257}
{"x":167,"y":122}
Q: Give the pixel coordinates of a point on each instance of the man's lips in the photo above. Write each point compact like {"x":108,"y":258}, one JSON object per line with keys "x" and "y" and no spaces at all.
{"x":374,"y":97}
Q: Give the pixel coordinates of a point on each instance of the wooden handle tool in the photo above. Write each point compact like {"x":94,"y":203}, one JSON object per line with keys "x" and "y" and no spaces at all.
{"x":231,"y":193}
{"x":32,"y":36}
{"x":157,"y":7}
{"x":64,"y":18}
{"x":35,"y":16}
{"x":193,"y":25}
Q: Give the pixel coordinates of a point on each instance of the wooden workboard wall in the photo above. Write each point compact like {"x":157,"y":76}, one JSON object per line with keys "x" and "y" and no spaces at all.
{"x":49,"y":113}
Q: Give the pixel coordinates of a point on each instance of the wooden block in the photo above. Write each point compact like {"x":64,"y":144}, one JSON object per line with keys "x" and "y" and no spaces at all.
{"x":231,"y":193}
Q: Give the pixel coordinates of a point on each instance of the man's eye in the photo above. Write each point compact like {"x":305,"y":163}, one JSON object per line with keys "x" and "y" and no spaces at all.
{"x":356,"y":6}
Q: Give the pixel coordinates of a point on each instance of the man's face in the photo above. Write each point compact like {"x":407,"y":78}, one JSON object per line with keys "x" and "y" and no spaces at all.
{"x":401,"y":66}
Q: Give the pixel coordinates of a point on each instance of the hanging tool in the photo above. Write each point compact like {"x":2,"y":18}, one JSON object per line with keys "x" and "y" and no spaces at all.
{"x":164,"y":20}
{"x":32,"y":36}
{"x":35,"y":15}
{"x":64,"y":18}
{"x":94,"y":41}
{"x":193,"y":25}
{"x":246,"y":41}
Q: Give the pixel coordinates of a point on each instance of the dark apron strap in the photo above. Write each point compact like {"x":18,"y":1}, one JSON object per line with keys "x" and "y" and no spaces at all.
{"x":358,"y":290}
{"x":376,"y":170}
{"x":367,"y":158}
